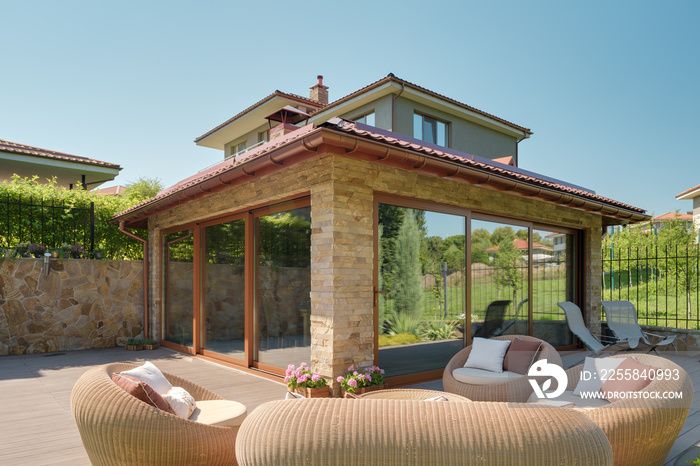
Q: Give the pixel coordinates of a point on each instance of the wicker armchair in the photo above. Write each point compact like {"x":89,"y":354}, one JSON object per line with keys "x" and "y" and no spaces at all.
{"x":643,"y":430}
{"x":518,"y":390}
{"x":118,"y":429}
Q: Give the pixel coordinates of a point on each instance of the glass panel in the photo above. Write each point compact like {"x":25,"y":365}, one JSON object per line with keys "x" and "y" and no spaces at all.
{"x":417,"y":126}
{"x":369,"y":119}
{"x":429,"y":130}
{"x":283,"y":287}
{"x":224,"y":288}
{"x":421,"y":276}
{"x":441,"y":134}
{"x":499,"y":279}
{"x":552,"y":282}
{"x":179,"y":286}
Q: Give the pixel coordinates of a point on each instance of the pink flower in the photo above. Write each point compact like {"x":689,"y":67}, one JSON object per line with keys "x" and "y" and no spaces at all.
{"x":352,"y":383}
{"x":355,"y":373}
{"x":315,"y":377}
{"x":351,"y":368}
{"x":339,"y":379}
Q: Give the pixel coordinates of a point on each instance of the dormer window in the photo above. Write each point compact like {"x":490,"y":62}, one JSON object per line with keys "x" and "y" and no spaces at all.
{"x":430,"y":129}
{"x":366,"y":119}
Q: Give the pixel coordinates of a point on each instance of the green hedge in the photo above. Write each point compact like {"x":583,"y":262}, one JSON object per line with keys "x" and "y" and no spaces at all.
{"x":35,"y":215}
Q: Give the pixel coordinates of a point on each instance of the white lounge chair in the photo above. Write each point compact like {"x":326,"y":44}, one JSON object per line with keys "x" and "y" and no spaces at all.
{"x":622,"y":321}
{"x":574,"y":319}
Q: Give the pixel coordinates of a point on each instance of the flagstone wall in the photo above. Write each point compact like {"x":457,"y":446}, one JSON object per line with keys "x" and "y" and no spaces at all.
{"x":79,"y":304}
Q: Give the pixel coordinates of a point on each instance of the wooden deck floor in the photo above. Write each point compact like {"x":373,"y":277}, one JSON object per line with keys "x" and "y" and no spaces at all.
{"x":37,"y":427}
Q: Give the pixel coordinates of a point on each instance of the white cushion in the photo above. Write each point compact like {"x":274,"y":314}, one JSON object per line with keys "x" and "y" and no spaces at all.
{"x":594,"y":369}
{"x":224,"y":413}
{"x":568,"y":398}
{"x":482,"y":377}
{"x":487,"y":354}
{"x":150,"y":374}
{"x":181,"y":401}
{"x":293,"y":396}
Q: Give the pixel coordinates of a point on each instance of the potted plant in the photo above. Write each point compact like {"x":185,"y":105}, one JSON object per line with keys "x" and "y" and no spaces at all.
{"x":134,"y":344}
{"x":22,"y":249}
{"x":357,"y":382}
{"x":64,"y":251}
{"x":149,"y":344}
{"x":76,"y":251}
{"x":98,"y":254}
{"x":36,"y":250}
{"x":55,"y":252}
{"x":304,"y":381}
{"x":10,"y":253}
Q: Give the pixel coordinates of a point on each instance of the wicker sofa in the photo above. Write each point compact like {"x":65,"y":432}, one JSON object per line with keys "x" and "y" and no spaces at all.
{"x":373,"y":431}
{"x":118,"y":429}
{"x":643,"y":430}
{"x":518,"y":390}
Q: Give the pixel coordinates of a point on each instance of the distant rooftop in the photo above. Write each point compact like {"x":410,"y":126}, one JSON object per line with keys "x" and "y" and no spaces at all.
{"x":23,"y":149}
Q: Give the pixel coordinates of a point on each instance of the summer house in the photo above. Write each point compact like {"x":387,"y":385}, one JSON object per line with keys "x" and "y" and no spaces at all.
{"x":356,"y":232}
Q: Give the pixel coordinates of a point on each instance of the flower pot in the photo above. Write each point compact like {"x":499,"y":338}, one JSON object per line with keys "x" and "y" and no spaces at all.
{"x":360,"y":391}
{"x":134,"y":347}
{"x":323,"y":392}
{"x":151,"y":347}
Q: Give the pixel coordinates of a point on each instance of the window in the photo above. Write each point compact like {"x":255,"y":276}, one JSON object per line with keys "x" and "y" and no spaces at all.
{"x":240,"y":147}
{"x":264,"y":136}
{"x":430,"y":130}
{"x":179,"y":287}
{"x":366,"y":119}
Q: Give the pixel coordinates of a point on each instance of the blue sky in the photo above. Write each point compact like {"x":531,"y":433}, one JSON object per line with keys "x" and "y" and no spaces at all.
{"x":610,"y":89}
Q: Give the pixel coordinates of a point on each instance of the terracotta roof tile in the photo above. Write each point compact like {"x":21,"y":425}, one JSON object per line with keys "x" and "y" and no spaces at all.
{"x":674,"y":216}
{"x":470,"y":160}
{"x":392,"y":77}
{"x":16,"y":148}
{"x":688,"y":191}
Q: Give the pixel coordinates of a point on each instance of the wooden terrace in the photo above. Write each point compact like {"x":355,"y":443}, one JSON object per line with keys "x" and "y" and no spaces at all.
{"x":37,"y":427}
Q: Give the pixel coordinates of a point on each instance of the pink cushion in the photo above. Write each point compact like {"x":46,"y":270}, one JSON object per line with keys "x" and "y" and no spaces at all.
{"x":142,"y":391}
{"x":520,"y":355}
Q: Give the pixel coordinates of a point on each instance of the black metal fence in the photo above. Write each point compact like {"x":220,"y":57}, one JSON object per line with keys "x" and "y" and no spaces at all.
{"x":29,"y":220}
{"x":662,"y":283}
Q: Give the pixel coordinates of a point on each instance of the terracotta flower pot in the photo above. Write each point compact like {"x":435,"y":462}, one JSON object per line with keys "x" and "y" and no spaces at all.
{"x":323,"y":392}
{"x":134,"y":347}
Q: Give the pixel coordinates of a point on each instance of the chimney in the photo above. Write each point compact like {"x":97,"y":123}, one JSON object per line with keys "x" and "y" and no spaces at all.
{"x":319,"y":92}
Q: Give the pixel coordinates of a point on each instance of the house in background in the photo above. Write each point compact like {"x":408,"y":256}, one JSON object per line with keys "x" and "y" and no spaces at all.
{"x":116,"y":190}
{"x":660,"y":221}
{"x":282,"y":252}
{"x":540,"y":252}
{"x":694,"y":194}
{"x":71,"y":171}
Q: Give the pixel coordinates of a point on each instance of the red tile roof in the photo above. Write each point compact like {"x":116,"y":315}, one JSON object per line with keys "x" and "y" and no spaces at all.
{"x":224,"y":172}
{"x":304,"y":100}
{"x":673,"y":216}
{"x":521,"y":245}
{"x":111,"y":191}
{"x":470,"y":160}
{"x":688,"y":191}
{"x":16,"y":148}
{"x":392,"y":77}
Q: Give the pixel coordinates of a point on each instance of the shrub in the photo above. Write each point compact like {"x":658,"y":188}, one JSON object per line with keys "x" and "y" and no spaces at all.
{"x":400,"y":339}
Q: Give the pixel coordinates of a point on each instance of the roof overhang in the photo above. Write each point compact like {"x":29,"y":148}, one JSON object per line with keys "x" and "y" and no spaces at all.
{"x":65,"y":171}
{"x":248,"y":120}
{"x":691,"y":193}
{"x":345,"y":138}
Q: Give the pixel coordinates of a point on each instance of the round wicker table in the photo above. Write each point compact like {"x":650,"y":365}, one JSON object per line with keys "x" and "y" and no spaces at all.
{"x":411,"y":394}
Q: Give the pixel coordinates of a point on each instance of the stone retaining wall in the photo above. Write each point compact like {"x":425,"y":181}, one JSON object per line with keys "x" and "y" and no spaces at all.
{"x":79,"y":304}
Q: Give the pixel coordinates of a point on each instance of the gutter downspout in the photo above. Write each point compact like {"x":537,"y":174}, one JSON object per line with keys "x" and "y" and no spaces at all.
{"x":145,"y":274}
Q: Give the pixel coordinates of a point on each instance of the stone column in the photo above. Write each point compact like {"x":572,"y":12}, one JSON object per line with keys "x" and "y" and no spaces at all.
{"x":342,"y":258}
{"x":593,"y":269}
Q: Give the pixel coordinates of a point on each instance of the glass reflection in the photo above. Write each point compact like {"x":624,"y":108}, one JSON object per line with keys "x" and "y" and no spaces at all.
{"x":179,"y":285}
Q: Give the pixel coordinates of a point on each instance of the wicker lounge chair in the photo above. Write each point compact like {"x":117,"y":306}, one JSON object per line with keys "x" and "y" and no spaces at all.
{"x":621,"y":317}
{"x":574,"y":319}
{"x":643,"y":430}
{"x":335,"y":431}
{"x":118,"y":429}
{"x":518,"y":390}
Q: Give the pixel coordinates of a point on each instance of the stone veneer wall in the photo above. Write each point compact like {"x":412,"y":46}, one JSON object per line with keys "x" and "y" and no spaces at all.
{"x":80,"y":304}
{"x":342,"y":190}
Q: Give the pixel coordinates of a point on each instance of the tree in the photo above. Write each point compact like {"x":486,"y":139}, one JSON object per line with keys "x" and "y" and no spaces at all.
{"x":143,"y":188}
{"x":407,"y":276}
{"x":506,"y":263}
